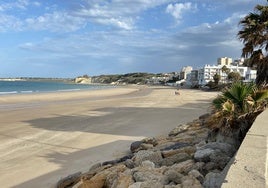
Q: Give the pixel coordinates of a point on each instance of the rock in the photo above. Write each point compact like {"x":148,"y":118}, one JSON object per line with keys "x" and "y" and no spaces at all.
{"x":197,"y":175}
{"x":148,"y":164}
{"x":190,"y":181}
{"x":213,"y":180}
{"x":203,"y":154}
{"x":176,"y":146}
{"x":173,"y":176}
{"x":150,"y":184}
{"x":69,"y":180}
{"x":152,"y":141}
{"x":135,"y":185}
{"x":97,"y":181}
{"x":184,"y":167}
{"x":146,"y":146}
{"x":189,"y":150}
{"x":223,"y":147}
{"x":123,"y":180}
{"x":129,"y":163}
{"x":179,"y":129}
{"x":173,"y":186}
{"x":144,"y":155}
{"x":135,"y":146}
{"x":177,"y":158}
{"x":143,"y":175}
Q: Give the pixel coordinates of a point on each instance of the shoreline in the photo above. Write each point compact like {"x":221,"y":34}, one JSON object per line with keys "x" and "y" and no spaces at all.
{"x":46,"y":136}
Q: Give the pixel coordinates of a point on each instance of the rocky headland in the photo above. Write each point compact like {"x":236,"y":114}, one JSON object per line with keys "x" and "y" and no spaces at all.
{"x":191,"y":155}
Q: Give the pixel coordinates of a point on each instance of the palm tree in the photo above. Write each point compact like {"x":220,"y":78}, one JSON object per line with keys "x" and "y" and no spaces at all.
{"x":254,"y":35}
{"x":238,"y":106}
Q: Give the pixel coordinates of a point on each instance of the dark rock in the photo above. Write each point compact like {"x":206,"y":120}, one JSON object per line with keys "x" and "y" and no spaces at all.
{"x":129,"y":163}
{"x":175,"y":146}
{"x":213,"y":180}
{"x":135,"y":146}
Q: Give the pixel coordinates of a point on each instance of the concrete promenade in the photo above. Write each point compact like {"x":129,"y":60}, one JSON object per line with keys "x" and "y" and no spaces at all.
{"x":249,"y":167}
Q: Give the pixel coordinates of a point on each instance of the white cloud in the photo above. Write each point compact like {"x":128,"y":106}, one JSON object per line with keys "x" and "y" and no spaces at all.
{"x":176,"y":10}
{"x":56,"y":22}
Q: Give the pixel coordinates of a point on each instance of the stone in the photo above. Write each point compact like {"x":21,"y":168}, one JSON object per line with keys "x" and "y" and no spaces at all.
{"x":146,"y":146}
{"x":179,"y":129}
{"x":123,"y":180}
{"x":129,"y":163}
{"x":69,"y":180}
{"x":143,"y":175}
{"x":144,"y":155}
{"x":173,"y":176}
{"x":176,"y":146}
{"x":152,"y":141}
{"x":148,"y":164}
{"x":190,"y":181}
{"x":184,"y":167}
{"x":150,"y":184}
{"x":223,"y":147}
{"x":177,"y":158}
{"x":135,"y":146}
{"x":95,"y":166}
{"x":135,"y":185}
{"x":213,"y":180}
{"x":195,"y":173}
{"x":189,"y":150}
{"x":203,"y":154}
{"x":173,"y":186}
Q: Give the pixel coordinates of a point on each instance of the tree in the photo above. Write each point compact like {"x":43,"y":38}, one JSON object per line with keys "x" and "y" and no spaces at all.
{"x":234,"y":76}
{"x":216,"y":78}
{"x":225,"y":69}
{"x":255,"y":38}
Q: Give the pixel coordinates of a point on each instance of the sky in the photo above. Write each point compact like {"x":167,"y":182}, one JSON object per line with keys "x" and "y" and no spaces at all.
{"x":68,"y":38}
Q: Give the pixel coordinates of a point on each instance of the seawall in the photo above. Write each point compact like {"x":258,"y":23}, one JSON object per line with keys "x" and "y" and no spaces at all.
{"x":248,"y":168}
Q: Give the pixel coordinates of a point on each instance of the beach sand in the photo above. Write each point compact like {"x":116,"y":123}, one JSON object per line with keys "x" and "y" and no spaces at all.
{"x":45,"y":137}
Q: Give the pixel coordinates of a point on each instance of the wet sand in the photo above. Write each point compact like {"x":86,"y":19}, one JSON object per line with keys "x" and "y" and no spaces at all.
{"x":45,"y":137}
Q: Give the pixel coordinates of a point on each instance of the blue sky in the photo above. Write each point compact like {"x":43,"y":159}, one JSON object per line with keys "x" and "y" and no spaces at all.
{"x":64,"y":38}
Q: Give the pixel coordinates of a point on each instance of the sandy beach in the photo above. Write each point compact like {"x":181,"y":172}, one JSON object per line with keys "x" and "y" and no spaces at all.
{"x":45,"y":137}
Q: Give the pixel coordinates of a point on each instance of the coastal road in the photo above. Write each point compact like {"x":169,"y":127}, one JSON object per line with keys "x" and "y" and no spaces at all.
{"x":45,"y":137}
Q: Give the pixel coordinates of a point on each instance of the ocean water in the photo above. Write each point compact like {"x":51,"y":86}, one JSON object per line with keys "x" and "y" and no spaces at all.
{"x":19,"y":87}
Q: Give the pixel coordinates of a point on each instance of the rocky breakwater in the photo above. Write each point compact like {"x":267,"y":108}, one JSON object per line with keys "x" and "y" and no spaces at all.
{"x":190,"y":156}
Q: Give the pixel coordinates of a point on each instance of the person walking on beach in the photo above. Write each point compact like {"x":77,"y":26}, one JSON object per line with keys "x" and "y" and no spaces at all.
{"x":177,"y":92}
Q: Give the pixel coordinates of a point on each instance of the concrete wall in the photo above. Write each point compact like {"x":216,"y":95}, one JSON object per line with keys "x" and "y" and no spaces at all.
{"x":248,"y":169}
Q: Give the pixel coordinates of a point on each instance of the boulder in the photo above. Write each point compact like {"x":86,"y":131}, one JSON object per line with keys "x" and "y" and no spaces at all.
{"x":173,"y":176}
{"x":184,"y":167}
{"x":197,"y":175}
{"x":190,"y":181}
{"x":135,"y":146}
{"x":144,"y":155}
{"x":152,"y":141}
{"x":179,"y":129}
{"x":177,"y":158}
{"x":152,"y":175}
{"x":213,"y":180}
{"x":189,"y":150}
{"x":203,"y":154}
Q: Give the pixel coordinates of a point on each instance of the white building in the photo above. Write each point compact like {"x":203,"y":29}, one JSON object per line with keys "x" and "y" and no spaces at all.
{"x":185,"y":71}
{"x":208,"y":71}
{"x":224,"y":61}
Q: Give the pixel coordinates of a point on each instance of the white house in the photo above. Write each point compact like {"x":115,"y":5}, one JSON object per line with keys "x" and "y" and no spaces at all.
{"x":208,"y":71}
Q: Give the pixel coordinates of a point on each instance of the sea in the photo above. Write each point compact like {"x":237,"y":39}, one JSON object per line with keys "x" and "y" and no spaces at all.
{"x":23,"y":87}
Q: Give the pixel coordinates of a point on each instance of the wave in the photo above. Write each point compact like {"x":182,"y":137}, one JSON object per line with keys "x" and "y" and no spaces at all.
{"x":68,"y":90}
{"x":8,"y":92}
